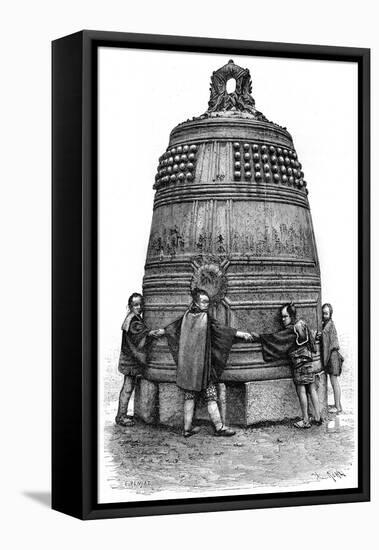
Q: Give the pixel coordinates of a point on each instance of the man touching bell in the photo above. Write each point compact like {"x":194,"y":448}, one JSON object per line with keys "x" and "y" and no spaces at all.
{"x":200,"y":346}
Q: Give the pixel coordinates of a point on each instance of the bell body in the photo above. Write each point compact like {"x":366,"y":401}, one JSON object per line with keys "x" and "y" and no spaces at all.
{"x":231,"y":216}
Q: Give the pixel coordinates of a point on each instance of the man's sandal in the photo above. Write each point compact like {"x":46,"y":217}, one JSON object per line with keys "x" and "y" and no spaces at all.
{"x":317,"y":422}
{"x":124,"y":421}
{"x":224,"y":432}
{"x":192,"y":431}
{"x":302,"y":425}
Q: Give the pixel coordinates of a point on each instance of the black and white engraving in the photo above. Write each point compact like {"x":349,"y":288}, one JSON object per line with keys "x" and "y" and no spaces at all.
{"x":230,"y":372}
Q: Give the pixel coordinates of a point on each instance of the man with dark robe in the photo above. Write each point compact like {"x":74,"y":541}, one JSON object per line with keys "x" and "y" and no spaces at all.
{"x":296,"y":343}
{"x":200,"y":347}
{"x":331,"y":357}
{"x":136,"y":338}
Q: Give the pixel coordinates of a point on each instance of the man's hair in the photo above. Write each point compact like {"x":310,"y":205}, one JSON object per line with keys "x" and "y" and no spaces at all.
{"x":197,"y":292}
{"x":329,"y":306}
{"x":135,"y":295}
{"x":291,"y":310}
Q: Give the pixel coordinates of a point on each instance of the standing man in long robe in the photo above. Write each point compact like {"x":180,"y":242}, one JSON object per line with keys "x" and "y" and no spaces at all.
{"x":296,"y":343}
{"x":331,"y":357}
{"x":136,"y":338}
{"x":200,"y":347}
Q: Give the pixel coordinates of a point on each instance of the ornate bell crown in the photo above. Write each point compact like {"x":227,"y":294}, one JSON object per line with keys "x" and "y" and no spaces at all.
{"x":238,"y":101}
{"x":232,"y":142}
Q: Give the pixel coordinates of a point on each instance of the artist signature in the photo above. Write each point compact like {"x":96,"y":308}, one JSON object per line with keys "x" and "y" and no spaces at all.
{"x":137,"y":484}
{"x":330,"y":474}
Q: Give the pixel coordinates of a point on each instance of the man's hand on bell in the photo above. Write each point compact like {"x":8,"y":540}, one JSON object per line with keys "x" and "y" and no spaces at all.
{"x":157,"y":333}
{"x":246,"y":336}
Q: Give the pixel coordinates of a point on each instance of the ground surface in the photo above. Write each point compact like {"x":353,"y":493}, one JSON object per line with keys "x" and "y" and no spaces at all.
{"x":147,"y":459}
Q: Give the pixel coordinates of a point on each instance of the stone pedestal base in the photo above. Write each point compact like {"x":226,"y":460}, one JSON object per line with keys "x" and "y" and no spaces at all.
{"x":242,"y":404}
{"x":171,"y":400}
{"x":268,"y":401}
{"x":146,"y":401}
{"x":322,"y":390}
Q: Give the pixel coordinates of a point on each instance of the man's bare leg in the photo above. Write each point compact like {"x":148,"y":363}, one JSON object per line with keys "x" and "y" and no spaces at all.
{"x":302,"y":395}
{"x":123,"y":402}
{"x":214,"y":414}
{"x":221,"y":392}
{"x":315,"y":402}
{"x":215,"y":417}
{"x":189,"y":408}
{"x":336,"y":391}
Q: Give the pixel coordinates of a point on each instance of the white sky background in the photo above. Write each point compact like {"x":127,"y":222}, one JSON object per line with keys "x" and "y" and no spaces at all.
{"x":144,"y":94}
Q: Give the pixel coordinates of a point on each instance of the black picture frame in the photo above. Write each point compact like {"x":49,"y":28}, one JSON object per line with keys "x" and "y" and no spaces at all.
{"x":74,"y":273}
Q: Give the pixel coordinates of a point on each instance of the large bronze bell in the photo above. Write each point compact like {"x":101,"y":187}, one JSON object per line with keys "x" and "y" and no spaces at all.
{"x":232,"y":216}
